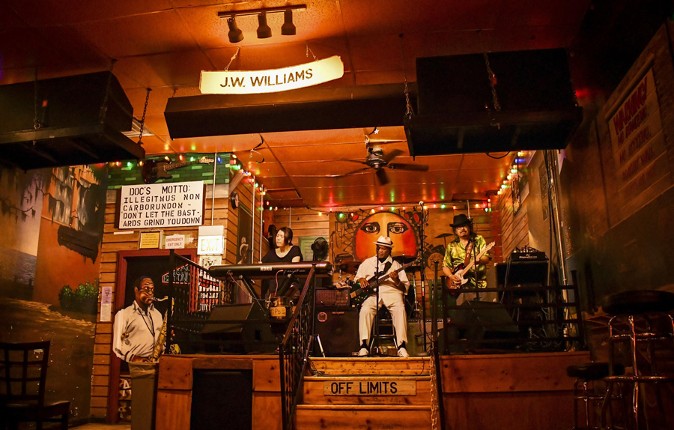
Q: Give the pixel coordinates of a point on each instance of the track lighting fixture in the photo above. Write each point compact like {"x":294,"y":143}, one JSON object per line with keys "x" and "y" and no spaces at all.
{"x":235,"y":34}
{"x":288,"y":28}
{"x":263,"y":30}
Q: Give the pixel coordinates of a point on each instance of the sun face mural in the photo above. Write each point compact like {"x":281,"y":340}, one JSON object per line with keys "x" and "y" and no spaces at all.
{"x":388,"y":224}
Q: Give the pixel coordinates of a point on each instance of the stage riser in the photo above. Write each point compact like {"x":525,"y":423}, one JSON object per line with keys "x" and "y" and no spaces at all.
{"x":523,"y":391}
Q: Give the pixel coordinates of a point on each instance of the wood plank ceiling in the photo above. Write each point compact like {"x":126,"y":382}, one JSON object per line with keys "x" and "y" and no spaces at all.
{"x":163,"y":45}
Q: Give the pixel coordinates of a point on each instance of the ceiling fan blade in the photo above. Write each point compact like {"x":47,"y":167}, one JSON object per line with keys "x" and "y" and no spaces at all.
{"x":382,"y":177}
{"x":353,"y":172}
{"x":392,"y":154}
{"x":408,"y":166}
{"x":384,"y":141}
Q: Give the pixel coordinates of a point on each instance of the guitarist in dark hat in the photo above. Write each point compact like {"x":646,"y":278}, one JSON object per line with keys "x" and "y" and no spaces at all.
{"x":465,"y":259}
{"x":382,"y":270}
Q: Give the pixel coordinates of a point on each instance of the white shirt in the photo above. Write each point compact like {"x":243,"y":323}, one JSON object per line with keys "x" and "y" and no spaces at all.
{"x":135,"y":332}
{"x":368,"y":268}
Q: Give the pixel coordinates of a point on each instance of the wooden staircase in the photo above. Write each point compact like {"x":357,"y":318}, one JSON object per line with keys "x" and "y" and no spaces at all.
{"x":366,"y":393}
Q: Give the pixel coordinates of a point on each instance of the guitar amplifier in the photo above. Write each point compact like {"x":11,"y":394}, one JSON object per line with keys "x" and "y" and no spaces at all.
{"x":332,"y":298}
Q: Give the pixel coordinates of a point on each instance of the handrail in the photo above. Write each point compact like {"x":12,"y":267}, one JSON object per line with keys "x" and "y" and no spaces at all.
{"x":294,"y":352}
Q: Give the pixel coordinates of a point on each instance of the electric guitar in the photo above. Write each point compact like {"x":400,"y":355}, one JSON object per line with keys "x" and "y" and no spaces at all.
{"x":158,"y":169}
{"x":359,"y":294}
{"x":462,"y":269}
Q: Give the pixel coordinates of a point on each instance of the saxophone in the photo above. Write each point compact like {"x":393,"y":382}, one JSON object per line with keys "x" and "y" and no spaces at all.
{"x":159,"y":345}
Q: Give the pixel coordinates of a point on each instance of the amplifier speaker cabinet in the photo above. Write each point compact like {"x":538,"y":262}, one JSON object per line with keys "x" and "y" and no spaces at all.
{"x":338,"y":331}
{"x":239,"y":328}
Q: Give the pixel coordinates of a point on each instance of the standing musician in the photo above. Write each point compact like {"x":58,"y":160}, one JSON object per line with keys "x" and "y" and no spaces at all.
{"x":391,"y":295}
{"x":460,"y":252}
{"x":135,"y":333}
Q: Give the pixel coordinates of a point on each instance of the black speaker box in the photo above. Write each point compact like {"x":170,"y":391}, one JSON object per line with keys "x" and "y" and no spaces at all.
{"x":81,"y":119}
{"x":529,"y":104}
{"x":240,"y":328}
{"x":479,"y":325}
{"x":338,"y":332}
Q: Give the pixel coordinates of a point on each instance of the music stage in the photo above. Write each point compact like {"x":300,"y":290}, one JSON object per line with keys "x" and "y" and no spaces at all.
{"x":489,"y":391}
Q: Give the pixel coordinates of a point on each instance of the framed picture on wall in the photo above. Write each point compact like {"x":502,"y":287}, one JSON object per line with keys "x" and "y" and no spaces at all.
{"x":245,"y":239}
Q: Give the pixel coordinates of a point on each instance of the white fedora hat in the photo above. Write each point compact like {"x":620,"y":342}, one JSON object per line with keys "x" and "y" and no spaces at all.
{"x":384,"y":241}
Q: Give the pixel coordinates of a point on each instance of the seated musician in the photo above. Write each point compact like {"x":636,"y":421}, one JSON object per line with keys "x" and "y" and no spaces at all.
{"x":465,"y":248}
{"x":284,"y":252}
{"x":391,"y":294}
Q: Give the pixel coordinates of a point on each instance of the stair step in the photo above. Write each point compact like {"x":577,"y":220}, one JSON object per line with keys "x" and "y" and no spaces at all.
{"x":390,"y":366}
{"x":367,"y":390}
{"x":363,"y":417}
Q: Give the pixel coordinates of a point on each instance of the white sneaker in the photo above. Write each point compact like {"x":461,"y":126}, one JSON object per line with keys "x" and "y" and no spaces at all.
{"x":402,"y":352}
{"x":363,"y":352}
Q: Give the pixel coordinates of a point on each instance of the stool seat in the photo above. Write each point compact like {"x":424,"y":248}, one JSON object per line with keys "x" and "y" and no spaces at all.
{"x":638,"y":302}
{"x":593,"y":371}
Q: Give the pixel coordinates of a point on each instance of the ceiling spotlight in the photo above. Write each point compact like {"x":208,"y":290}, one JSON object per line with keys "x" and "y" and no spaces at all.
{"x":288,"y":28}
{"x":235,"y":34}
{"x":263,"y":30}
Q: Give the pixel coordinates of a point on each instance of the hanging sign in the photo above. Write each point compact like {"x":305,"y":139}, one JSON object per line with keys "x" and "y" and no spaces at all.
{"x":272,"y":81}
{"x":177,"y":204}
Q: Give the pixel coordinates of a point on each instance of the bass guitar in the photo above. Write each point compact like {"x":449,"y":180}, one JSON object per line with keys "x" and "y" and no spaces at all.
{"x":359,"y":294}
{"x":462,"y":269}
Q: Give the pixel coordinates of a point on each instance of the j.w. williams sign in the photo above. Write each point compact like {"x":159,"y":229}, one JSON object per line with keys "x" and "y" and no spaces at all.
{"x":271,"y":81}
{"x":178,"y":204}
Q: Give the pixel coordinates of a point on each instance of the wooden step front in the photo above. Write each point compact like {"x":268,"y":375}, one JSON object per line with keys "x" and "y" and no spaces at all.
{"x":352,"y":366}
{"x":371,"y":417}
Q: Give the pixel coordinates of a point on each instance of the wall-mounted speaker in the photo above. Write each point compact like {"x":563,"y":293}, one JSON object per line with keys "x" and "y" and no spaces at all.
{"x":338,"y":332}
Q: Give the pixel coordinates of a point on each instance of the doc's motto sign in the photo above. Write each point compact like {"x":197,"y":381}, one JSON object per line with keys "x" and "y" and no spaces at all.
{"x":177,"y":204}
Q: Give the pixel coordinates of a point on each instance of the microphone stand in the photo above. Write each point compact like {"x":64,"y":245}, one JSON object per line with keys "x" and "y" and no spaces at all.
{"x":374,"y":341}
{"x":423,"y":282}
{"x":477,"y":293}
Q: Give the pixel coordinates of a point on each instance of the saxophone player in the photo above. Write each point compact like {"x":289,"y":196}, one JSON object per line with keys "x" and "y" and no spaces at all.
{"x":136,"y":331}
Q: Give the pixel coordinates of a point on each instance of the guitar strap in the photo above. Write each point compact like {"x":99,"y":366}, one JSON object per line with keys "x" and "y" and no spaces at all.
{"x":469,"y":250}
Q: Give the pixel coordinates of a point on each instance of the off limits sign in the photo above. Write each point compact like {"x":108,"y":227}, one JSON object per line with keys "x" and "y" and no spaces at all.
{"x":179,"y":204}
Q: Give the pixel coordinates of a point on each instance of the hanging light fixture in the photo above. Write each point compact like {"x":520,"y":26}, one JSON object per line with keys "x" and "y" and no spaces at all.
{"x":263,"y":30}
{"x":288,"y":28}
{"x":235,"y":34}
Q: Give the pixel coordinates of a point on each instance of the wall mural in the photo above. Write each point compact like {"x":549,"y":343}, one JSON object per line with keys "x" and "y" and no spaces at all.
{"x":355,"y":232}
{"x":49,"y":215}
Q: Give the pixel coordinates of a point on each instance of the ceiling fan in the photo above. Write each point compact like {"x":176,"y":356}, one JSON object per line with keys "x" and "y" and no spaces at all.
{"x":377,"y":160}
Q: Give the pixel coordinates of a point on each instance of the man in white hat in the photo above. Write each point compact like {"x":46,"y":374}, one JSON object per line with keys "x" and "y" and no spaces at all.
{"x":382,"y":271}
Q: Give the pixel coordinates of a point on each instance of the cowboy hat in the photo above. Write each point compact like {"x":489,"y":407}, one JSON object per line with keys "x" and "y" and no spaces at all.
{"x":384,"y":241}
{"x":460,"y":220}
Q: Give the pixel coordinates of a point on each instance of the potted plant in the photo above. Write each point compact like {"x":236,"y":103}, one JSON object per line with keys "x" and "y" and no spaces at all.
{"x":67,"y":298}
{"x":87,"y":297}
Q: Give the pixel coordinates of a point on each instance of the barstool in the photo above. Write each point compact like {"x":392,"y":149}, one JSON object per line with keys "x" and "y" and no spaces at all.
{"x":640,"y":324}
{"x":386,"y":338}
{"x":589,"y":390}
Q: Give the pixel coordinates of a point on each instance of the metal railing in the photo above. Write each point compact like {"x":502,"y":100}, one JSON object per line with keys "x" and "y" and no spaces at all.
{"x":294,"y":352}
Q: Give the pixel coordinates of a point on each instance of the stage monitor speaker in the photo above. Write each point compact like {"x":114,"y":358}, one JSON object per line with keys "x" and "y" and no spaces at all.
{"x":239,"y":328}
{"x":484,"y":325}
{"x":338,"y":331}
